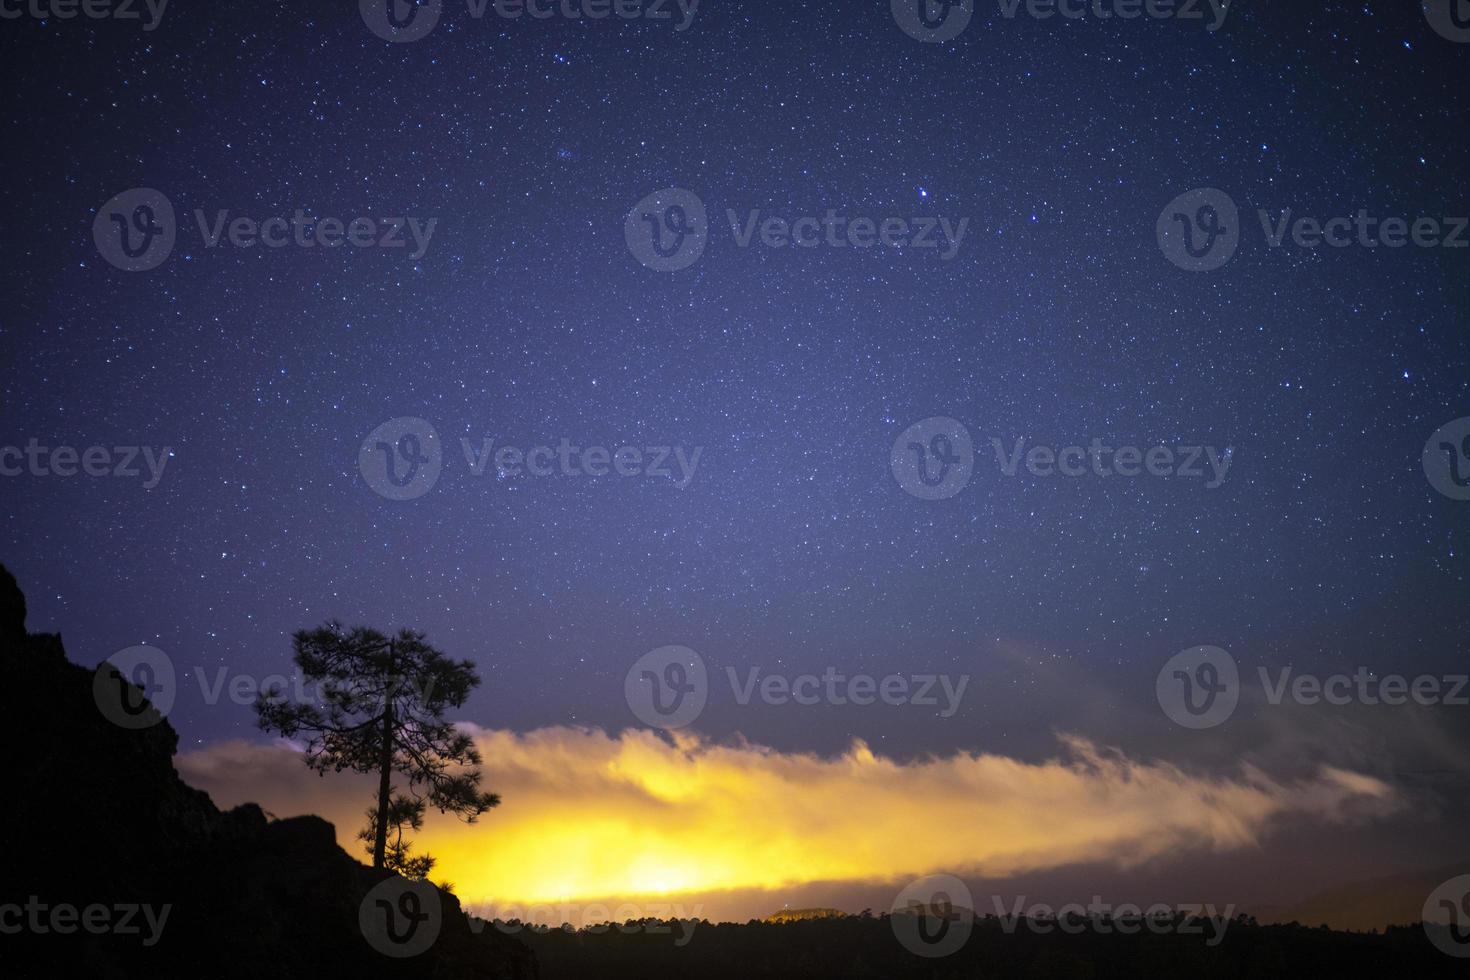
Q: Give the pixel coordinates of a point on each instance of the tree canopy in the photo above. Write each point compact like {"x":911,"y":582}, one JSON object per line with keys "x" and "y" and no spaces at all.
{"x":381,"y":710}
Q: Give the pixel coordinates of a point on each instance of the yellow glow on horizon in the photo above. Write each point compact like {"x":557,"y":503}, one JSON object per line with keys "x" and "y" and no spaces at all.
{"x":591,"y":816}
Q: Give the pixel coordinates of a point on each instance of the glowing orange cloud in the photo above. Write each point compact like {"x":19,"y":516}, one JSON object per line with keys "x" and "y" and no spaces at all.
{"x":590,"y":815}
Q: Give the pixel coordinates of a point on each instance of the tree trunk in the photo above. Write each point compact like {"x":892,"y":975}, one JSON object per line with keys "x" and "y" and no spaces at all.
{"x":385,"y":764}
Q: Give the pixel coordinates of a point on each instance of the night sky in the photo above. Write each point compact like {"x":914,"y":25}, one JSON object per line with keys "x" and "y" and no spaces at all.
{"x":793,"y":548}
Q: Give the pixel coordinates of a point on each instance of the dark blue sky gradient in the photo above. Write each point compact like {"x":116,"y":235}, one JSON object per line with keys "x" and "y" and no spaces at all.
{"x":527,"y":320}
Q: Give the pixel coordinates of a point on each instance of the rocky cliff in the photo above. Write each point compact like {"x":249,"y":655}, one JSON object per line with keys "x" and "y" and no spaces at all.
{"x":99,"y":823}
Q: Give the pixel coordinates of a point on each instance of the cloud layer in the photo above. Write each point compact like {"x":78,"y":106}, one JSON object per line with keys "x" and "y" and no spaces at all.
{"x":588,"y":815}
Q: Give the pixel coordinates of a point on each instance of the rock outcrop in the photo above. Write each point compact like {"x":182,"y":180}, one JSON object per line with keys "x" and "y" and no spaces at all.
{"x":99,"y":822}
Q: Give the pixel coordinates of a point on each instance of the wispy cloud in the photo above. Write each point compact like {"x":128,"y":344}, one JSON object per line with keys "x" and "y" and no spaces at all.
{"x":592,"y":815}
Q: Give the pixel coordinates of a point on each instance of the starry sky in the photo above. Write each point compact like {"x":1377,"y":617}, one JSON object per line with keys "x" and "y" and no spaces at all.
{"x":793,"y":548}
